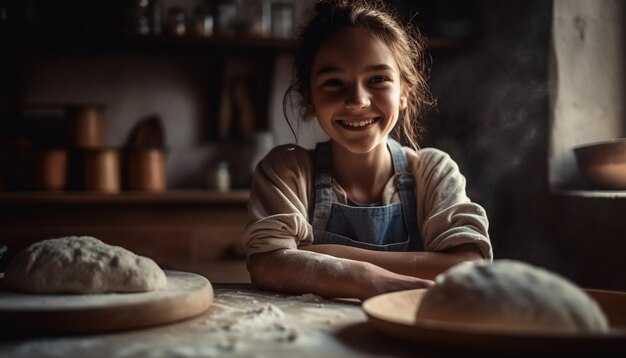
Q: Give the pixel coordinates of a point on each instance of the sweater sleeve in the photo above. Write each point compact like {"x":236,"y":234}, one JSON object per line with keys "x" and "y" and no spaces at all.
{"x":277,"y":210}
{"x":447,"y":217}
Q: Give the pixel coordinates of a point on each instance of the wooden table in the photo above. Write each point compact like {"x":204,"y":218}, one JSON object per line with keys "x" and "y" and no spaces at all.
{"x":242,"y":322}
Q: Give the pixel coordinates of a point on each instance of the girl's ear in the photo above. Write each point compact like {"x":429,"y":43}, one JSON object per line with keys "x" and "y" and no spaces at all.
{"x":403,"y":101}
{"x":406,"y":88}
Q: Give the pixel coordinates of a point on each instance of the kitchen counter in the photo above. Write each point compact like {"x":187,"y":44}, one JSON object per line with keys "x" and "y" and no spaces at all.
{"x":242,"y":322}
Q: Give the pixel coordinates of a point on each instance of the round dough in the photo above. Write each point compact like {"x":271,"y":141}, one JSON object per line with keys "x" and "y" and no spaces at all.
{"x":510,"y":295}
{"x":81,"y":264}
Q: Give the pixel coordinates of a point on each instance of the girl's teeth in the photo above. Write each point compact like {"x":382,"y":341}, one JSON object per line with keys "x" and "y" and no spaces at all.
{"x":358,"y":124}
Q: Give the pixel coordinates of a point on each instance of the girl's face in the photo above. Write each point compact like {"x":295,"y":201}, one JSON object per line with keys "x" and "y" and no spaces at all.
{"x":356,"y":90}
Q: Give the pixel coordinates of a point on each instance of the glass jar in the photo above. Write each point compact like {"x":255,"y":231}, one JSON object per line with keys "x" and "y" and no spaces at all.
{"x":177,"y":21}
{"x":142,"y":16}
{"x":226,"y":16}
{"x":203,"y":22}
{"x":218,"y":178}
{"x":282,"y":20}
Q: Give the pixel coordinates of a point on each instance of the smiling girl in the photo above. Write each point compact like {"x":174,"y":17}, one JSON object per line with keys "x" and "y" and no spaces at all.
{"x":360,"y":215}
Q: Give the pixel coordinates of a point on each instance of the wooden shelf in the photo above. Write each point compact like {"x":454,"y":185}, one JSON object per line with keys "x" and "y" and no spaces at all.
{"x":593,"y":194}
{"x":123,"y":43}
{"x":127,"y":197}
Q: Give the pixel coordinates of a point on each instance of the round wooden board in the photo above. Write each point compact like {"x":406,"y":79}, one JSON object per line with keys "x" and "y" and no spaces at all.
{"x":394,"y":314}
{"x":185,"y":296}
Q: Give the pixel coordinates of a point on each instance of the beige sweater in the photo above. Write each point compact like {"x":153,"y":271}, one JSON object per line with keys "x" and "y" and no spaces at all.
{"x":282,"y":190}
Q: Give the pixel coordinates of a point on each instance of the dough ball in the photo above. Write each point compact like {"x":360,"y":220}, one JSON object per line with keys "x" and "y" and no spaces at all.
{"x":81,"y":264}
{"x":510,"y":295}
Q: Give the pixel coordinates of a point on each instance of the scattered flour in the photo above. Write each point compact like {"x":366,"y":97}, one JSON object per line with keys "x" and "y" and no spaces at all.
{"x":265,"y":321}
{"x":239,"y":324}
{"x":309,"y":297}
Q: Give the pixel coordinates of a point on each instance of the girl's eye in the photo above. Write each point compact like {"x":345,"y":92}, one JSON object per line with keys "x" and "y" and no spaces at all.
{"x":333,"y":82}
{"x":378,"y":79}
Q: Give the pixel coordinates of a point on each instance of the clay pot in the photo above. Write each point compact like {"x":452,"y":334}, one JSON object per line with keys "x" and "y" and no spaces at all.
{"x":87,"y":131}
{"x":51,"y":170}
{"x":603,"y":164}
{"x":102,"y":170}
{"x":146,"y":169}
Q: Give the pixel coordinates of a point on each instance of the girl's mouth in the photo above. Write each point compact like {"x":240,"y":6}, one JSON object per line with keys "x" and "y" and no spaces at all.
{"x":358,"y":124}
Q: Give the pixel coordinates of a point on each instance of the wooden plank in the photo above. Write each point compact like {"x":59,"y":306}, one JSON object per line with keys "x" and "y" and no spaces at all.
{"x":186,"y":295}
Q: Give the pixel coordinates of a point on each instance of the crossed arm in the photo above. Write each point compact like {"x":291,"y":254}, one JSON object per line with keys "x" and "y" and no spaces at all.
{"x":345,"y":271}
{"x":280,"y":202}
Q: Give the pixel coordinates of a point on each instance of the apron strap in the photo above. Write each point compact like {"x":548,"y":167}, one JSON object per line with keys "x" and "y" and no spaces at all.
{"x":323,"y":184}
{"x":406,"y":189}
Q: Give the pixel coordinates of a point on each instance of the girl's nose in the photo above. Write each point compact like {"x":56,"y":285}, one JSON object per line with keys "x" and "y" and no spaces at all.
{"x":357,"y":99}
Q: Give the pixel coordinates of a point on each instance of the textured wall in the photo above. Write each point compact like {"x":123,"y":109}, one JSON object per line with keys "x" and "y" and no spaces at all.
{"x":589,"y":40}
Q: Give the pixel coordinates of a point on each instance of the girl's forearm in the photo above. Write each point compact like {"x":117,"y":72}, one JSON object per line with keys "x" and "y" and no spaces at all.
{"x":426,"y":265}
{"x":299,"y":271}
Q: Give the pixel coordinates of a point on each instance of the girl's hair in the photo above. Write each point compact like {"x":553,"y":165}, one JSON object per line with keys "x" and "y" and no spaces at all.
{"x":405,"y":42}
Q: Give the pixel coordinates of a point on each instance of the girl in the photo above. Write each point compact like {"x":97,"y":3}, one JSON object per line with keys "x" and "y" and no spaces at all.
{"x":360,"y":215}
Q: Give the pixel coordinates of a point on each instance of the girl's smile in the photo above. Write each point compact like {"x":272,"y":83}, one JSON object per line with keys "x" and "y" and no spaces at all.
{"x":356,"y":90}
{"x":358,"y":123}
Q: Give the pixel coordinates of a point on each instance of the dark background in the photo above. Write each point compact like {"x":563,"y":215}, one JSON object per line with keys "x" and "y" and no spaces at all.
{"x":489,"y":74}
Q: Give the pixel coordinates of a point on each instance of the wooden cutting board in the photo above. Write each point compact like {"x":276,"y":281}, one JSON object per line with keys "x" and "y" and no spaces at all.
{"x":394,"y":314}
{"x":185,"y":296}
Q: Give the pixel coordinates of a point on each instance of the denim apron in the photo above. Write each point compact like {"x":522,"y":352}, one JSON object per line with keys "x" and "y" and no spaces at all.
{"x":390,"y":227}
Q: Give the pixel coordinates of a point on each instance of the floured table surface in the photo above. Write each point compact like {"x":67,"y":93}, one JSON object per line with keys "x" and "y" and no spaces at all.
{"x":186,"y":295}
{"x":242,"y":322}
